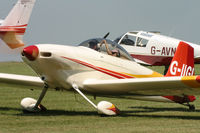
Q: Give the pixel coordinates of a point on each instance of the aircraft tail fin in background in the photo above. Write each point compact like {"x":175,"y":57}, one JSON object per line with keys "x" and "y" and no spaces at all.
{"x":183,"y":62}
{"x":14,"y":25}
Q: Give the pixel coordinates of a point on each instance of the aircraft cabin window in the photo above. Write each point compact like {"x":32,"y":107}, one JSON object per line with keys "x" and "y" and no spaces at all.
{"x":128,"y":40}
{"x":141,"y":42}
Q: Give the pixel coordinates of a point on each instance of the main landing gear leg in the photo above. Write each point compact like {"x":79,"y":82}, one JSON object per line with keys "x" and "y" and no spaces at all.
{"x":38,"y":105}
{"x":191,"y":106}
{"x":166,"y":69}
{"x":77,"y":89}
{"x":187,"y":103}
{"x":102,"y":107}
{"x":31,"y":105}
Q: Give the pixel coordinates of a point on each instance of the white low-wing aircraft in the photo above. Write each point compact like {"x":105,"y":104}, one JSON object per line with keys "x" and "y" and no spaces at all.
{"x":101,"y":67}
{"x":151,"y":48}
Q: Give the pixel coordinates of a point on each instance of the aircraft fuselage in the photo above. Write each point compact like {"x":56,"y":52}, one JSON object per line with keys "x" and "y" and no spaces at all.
{"x":153,"y":49}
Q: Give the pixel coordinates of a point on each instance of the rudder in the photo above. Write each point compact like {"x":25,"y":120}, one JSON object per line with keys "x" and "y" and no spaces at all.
{"x":183,"y":61}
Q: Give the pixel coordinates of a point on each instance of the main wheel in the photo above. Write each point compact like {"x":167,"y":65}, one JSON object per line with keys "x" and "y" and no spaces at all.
{"x":28,"y":105}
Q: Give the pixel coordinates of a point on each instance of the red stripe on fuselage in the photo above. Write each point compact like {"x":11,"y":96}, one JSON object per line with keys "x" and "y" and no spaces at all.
{"x":103,"y":70}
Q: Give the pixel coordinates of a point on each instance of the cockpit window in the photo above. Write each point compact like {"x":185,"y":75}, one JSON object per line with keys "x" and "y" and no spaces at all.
{"x":141,"y":42}
{"x":126,"y":40}
{"x":107,"y":47}
{"x":117,"y":39}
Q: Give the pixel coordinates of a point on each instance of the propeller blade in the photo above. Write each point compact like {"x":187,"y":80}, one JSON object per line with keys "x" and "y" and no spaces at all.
{"x":106,"y":35}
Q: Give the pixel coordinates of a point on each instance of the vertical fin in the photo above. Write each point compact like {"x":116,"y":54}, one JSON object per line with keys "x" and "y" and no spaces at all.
{"x":182,"y":65}
{"x":20,"y":14}
{"x":14,"y":26}
{"x":183,"y":62}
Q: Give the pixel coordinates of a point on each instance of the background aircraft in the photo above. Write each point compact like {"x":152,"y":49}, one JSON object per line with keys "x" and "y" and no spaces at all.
{"x":1,"y":21}
{"x":13,"y":27}
{"x":151,"y":48}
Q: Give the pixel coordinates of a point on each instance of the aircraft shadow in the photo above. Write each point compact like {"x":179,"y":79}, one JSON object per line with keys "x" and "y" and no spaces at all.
{"x":148,"y":110}
{"x":49,"y":112}
{"x":9,"y":108}
{"x":124,"y":113}
{"x":159,"y":109}
{"x":60,"y":112}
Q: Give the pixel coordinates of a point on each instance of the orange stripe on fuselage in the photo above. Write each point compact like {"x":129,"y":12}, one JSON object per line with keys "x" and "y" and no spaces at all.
{"x":154,"y":74}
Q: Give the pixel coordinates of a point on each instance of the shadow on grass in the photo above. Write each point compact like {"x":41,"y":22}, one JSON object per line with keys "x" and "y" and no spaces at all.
{"x":60,"y":112}
{"x":139,"y":109}
{"x":184,"y":117}
{"x":146,"y":113}
{"x":9,"y":108}
{"x":20,"y":112}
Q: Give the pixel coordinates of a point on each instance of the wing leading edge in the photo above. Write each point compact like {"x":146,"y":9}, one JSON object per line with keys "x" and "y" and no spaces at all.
{"x":21,"y":80}
{"x":162,"y":86}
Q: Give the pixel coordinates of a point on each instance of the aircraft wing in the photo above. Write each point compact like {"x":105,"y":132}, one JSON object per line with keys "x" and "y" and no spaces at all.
{"x":14,"y":80}
{"x":142,"y":62}
{"x":187,"y":85}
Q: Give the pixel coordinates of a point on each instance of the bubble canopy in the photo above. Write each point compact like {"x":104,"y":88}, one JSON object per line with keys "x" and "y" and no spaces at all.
{"x":99,"y":45}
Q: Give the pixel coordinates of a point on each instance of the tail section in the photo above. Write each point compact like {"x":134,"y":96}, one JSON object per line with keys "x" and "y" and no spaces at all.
{"x":182,"y":65}
{"x":183,"y":62}
{"x":14,"y":26}
{"x":20,"y":14}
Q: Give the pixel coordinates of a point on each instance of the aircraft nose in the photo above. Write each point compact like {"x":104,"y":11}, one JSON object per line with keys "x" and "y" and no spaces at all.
{"x":31,"y":52}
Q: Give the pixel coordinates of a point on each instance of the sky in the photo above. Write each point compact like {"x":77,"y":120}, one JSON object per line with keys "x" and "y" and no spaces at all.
{"x":69,"y":22}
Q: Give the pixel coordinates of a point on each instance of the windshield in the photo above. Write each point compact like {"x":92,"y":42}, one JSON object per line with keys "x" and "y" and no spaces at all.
{"x":117,"y":39}
{"x":107,"y":46}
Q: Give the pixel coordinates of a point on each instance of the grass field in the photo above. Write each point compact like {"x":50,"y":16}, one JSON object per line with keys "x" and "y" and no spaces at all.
{"x":68,"y":112}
